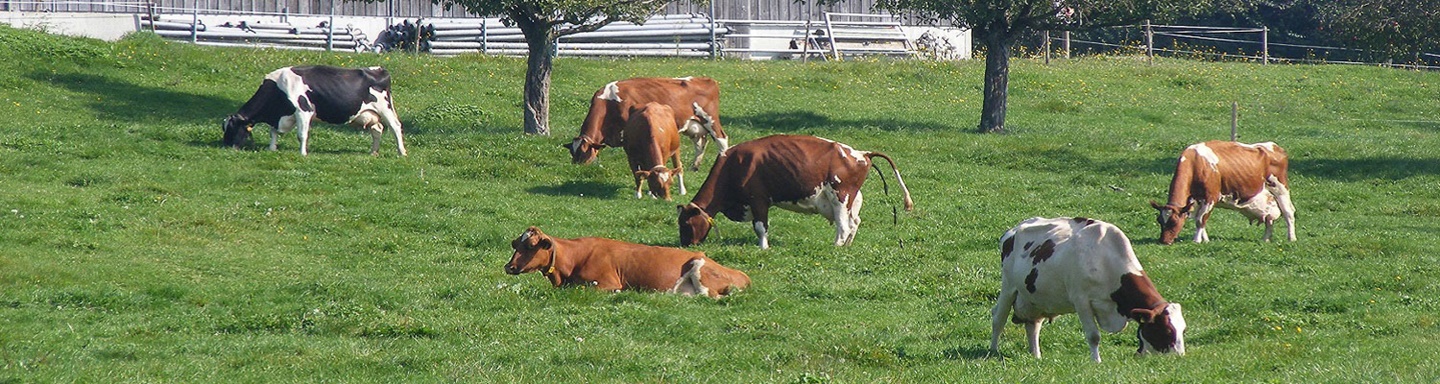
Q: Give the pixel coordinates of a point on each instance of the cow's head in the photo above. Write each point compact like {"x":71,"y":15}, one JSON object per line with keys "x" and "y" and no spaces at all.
{"x":660,"y":179}
{"x":1162,"y":329}
{"x":583,"y":150}
{"x":237,"y":131}
{"x":694,"y":224}
{"x":533,"y":250}
{"x":1171,"y":219}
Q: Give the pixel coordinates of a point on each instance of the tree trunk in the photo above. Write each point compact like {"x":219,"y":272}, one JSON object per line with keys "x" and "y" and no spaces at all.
{"x":997,"y":83}
{"x":537,"y":77}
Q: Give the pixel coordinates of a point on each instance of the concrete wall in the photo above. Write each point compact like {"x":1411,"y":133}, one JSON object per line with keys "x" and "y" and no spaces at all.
{"x":104,"y":26}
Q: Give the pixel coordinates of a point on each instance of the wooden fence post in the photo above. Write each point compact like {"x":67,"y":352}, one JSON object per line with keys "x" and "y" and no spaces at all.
{"x":1234,"y":121}
{"x":1149,"y":42}
{"x":1067,"y":44}
{"x":1047,"y":47}
{"x":1265,"y":45}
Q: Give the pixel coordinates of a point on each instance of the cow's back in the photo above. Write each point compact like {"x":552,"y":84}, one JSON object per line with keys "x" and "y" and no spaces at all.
{"x":1048,"y":262}
{"x":651,"y":134}
{"x":786,"y":167}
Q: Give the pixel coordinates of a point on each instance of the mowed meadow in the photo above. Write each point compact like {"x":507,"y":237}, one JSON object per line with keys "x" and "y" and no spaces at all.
{"x":133,"y":248}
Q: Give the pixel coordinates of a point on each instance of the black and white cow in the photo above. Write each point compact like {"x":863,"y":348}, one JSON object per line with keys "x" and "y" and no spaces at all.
{"x":1051,"y":267}
{"x":291,"y":97}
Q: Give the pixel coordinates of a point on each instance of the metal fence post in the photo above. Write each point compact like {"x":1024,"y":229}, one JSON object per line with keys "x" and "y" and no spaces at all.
{"x":714,"y":45}
{"x":330,"y":34}
{"x":194,"y":23}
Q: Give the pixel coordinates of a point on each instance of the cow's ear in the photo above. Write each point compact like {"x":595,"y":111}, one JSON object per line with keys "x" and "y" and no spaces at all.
{"x":1186,"y":210}
{"x":544,"y":243}
{"x":1155,"y":205}
{"x":1143,"y":315}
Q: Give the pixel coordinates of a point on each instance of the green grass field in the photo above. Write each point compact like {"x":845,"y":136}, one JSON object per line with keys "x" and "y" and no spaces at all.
{"x":133,"y":248}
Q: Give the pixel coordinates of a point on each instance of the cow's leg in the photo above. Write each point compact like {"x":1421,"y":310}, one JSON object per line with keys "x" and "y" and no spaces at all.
{"x":1287,"y":208}
{"x":998,"y":316}
{"x":679,"y":171}
{"x":760,"y":219}
{"x":853,"y":215}
{"x":376,"y":130}
{"x":839,"y":216}
{"x":640,"y":177}
{"x":302,"y":128}
{"x":1269,"y":228}
{"x":1032,"y":335}
{"x":287,"y":123}
{"x":388,"y":114}
{"x":1202,"y":216}
{"x":700,"y":142}
{"x":1091,"y":329}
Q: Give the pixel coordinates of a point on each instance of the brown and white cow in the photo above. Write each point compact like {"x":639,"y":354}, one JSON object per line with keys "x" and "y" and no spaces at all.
{"x":651,"y":138}
{"x":1250,"y":178}
{"x":1051,"y":267}
{"x":804,"y":174}
{"x":694,"y":100}
{"x":613,"y":265}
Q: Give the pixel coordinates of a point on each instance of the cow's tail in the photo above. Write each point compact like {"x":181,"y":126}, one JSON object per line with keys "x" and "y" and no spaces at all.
{"x":909,"y":204}
{"x":706,"y":121}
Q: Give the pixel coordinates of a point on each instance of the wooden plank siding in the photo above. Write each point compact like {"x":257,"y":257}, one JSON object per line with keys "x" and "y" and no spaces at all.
{"x":724,"y":9}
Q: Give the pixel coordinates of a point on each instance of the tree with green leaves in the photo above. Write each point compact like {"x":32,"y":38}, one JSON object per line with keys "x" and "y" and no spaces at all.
{"x":998,"y":24}
{"x":1398,"y":30}
{"x":543,"y":22}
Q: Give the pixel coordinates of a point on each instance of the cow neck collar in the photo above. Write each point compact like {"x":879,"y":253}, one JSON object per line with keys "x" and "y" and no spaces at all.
{"x":550,"y":270}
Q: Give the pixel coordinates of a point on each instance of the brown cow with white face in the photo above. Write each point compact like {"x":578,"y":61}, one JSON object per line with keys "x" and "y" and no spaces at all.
{"x":1051,"y":267}
{"x":1250,"y":178}
{"x":695,"y":102}
{"x":613,"y":265}
{"x":650,"y":139}
{"x":804,"y":174}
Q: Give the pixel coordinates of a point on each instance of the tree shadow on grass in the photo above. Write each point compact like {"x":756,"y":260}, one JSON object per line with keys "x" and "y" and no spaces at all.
{"x":581,"y":188}
{"x":116,"y":99}
{"x":798,"y":120}
{"x":1388,"y":168}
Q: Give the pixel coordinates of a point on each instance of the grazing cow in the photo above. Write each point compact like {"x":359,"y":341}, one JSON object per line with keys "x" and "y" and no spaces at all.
{"x":804,"y":174}
{"x":651,"y":138}
{"x":614,"y":265}
{"x":291,"y":97}
{"x":694,"y":100}
{"x":1050,"y":267}
{"x":1249,"y":178}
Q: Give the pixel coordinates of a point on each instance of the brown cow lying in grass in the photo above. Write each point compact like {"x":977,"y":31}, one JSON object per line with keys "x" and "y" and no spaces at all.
{"x":613,"y":265}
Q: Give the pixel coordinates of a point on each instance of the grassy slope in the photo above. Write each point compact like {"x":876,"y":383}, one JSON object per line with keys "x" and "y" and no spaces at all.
{"x":133,"y":248}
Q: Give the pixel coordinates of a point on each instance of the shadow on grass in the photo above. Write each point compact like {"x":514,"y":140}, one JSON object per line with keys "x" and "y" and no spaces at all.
{"x":582,"y":188}
{"x":1389,"y":168}
{"x":797,"y":120}
{"x":970,"y":353}
{"x":119,"y":100}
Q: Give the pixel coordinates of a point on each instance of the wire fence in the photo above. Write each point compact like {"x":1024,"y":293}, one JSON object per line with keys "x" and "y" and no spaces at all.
{"x":1218,"y":43}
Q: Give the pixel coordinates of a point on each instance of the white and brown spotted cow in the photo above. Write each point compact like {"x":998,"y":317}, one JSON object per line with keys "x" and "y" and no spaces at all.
{"x":651,"y":138}
{"x":804,"y":174}
{"x":290,"y":97}
{"x":613,"y":265}
{"x":1250,"y":178}
{"x":1051,"y":267}
{"x":695,"y":102}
